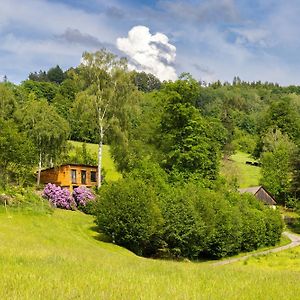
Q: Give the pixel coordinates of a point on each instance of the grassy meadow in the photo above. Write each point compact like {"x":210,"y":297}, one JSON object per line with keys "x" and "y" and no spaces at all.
{"x":59,"y":256}
{"x":108,"y":164}
{"x":235,"y":167}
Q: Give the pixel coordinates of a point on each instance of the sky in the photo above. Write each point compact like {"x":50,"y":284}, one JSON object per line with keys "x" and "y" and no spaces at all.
{"x":211,"y":39}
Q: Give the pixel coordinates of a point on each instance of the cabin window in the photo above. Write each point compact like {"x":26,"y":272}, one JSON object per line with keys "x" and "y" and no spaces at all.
{"x":83,"y":176}
{"x":93,"y":176}
{"x":73,"y":176}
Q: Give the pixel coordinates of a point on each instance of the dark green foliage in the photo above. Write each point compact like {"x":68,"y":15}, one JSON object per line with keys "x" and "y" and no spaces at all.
{"x":277,"y":164}
{"x":38,"y":76}
{"x":47,"y":90}
{"x":56,"y":75}
{"x":153,"y":218}
{"x":295,"y":188}
{"x":283,"y":115}
{"x":7,"y":101}
{"x":17,"y":154}
{"x":146,"y":82}
{"x":127,"y":211}
{"x":183,"y":230}
{"x":189,"y":141}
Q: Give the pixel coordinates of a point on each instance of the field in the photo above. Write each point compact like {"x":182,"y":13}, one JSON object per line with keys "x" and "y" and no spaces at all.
{"x":236,"y":167}
{"x":108,"y":164}
{"x":60,"y":256}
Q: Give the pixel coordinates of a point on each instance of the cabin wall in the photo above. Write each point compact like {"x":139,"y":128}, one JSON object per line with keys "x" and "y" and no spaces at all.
{"x":62,"y":176}
{"x":51,"y":176}
{"x":79,"y":170}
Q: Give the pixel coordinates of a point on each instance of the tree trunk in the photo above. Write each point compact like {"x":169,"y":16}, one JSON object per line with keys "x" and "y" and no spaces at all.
{"x":100,"y":158}
{"x":39,"y":169}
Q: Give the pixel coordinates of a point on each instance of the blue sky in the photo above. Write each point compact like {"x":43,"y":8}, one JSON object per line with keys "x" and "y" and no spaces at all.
{"x":211,"y":39}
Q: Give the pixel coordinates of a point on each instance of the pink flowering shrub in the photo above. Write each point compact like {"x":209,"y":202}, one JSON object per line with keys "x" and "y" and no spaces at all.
{"x":82,"y":196}
{"x":62,"y":198}
{"x":59,"y":197}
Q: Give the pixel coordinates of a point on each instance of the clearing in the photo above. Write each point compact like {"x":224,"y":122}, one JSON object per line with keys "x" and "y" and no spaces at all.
{"x":235,"y":168}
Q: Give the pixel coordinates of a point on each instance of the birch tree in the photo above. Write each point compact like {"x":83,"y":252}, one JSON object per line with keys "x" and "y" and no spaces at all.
{"x":108,"y":87}
{"x":47,"y":130}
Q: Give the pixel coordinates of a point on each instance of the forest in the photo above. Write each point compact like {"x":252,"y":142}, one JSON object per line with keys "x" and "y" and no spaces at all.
{"x":168,"y":140}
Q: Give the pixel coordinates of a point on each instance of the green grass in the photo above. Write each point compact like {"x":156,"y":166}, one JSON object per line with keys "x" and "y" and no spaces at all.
{"x":236,"y":167}
{"x":60,"y":256}
{"x":108,"y":164}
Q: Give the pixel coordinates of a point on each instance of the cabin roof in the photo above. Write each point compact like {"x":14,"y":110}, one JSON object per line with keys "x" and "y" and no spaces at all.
{"x":76,"y":165}
{"x":252,"y":190}
{"x":261,"y":193}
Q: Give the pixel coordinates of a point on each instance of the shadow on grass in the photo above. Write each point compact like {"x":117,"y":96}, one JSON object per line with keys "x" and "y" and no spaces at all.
{"x":99,"y":236}
{"x":293,"y":224}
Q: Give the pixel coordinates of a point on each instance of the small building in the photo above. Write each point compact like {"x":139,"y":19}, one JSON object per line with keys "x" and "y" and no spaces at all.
{"x":261,"y":194}
{"x":71,"y":175}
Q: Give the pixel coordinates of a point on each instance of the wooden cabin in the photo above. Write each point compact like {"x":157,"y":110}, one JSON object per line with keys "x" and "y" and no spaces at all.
{"x":261,"y":194}
{"x":71,"y":175}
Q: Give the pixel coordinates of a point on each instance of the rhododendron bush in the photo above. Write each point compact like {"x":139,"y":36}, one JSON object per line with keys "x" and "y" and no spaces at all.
{"x":82,"y":196}
{"x":62,"y":198}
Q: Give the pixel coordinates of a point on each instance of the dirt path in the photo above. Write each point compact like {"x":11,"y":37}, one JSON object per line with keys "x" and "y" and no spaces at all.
{"x":295,"y":241}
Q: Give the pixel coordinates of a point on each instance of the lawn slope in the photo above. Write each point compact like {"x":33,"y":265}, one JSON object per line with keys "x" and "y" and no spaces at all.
{"x":107,"y":162}
{"x":236,"y":167}
{"x":59,"y":256}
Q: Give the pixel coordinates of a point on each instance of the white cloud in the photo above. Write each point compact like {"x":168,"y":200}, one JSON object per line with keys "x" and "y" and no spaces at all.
{"x":256,"y":36}
{"x":150,"y":53}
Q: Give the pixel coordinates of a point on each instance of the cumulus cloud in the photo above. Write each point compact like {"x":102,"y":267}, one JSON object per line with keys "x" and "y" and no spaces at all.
{"x":151,"y":53}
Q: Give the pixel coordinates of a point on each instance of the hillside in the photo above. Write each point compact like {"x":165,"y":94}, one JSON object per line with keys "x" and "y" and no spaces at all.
{"x":108,"y":164}
{"x":60,"y":256}
{"x":236,"y":167}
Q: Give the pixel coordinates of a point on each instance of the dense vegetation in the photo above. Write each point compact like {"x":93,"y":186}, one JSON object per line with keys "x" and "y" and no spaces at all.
{"x":153,"y":218}
{"x":167,"y":140}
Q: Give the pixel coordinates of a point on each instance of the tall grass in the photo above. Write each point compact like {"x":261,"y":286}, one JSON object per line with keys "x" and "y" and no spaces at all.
{"x":60,"y":256}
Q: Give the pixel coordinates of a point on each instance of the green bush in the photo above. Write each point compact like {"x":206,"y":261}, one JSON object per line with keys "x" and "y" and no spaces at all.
{"x":274,"y":226}
{"x":153,"y":218}
{"x":127,"y":211}
{"x":183,"y":230}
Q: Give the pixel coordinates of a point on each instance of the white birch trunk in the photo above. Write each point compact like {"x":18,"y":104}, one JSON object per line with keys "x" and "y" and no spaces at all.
{"x":100,"y":157}
{"x":39,"y":169}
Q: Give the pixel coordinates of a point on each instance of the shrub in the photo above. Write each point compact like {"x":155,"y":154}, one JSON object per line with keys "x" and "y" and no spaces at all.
{"x":183,"y":230}
{"x":82,"y":195}
{"x":128,"y":213}
{"x":58,"y":196}
{"x":274,"y":227}
{"x":185,"y":220}
{"x":83,"y":198}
